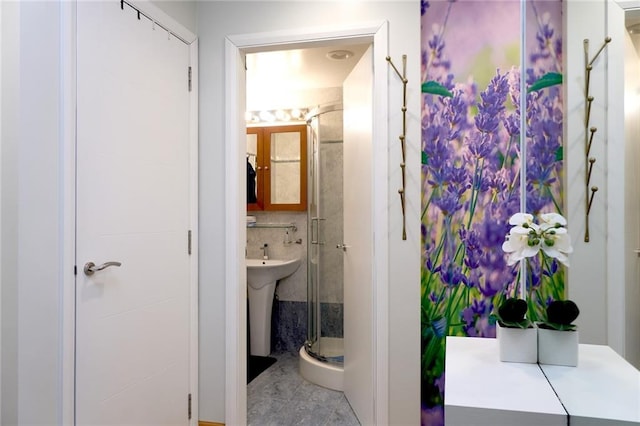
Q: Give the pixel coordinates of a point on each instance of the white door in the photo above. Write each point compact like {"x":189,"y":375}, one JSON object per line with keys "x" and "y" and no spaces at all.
{"x":358,"y":238}
{"x":632,"y":201}
{"x":132,"y":321}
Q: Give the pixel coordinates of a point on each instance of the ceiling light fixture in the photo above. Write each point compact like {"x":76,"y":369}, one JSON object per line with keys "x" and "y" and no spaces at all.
{"x":339,"y":55}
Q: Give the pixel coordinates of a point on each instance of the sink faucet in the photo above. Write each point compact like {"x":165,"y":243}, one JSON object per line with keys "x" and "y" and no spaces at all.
{"x":265,"y":251}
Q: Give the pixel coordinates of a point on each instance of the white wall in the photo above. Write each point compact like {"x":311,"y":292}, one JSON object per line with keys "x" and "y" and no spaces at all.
{"x":597,"y":273}
{"x":615,"y":177}
{"x":587,"y":275}
{"x":215,"y":21}
{"x":31,"y":215}
{"x":183,"y":11}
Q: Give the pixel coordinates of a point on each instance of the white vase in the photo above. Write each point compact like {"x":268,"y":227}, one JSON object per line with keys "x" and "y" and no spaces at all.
{"x":558,"y":347}
{"x":517,"y":344}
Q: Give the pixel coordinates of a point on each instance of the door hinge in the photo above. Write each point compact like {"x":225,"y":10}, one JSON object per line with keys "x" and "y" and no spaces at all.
{"x":189,"y":78}
{"x":189,"y":407}
{"x":189,"y":242}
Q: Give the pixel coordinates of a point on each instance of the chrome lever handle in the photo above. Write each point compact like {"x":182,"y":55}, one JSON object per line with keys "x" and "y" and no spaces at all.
{"x":342,"y":246}
{"x":90,"y":268}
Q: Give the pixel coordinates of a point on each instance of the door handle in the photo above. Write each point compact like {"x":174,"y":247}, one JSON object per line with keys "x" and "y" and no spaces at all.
{"x":90,"y":268}
{"x":342,"y":246}
{"x":314,"y":239}
{"x":317,"y":221}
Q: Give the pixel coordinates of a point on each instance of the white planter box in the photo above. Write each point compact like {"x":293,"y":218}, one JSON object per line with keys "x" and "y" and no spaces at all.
{"x":518,"y":344}
{"x":558,"y":347}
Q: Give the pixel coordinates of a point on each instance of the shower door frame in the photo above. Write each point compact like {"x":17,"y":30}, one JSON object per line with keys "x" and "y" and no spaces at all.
{"x":236,"y":47}
{"x":314,"y":275}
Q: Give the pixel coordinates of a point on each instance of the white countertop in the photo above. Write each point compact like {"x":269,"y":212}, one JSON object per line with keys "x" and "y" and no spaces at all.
{"x":603,"y":386}
{"x":603,"y":390}
{"x":482,"y":390}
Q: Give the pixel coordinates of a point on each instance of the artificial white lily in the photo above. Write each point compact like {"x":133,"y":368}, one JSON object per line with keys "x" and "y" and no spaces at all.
{"x":557,"y":243}
{"x":552,"y":220}
{"x":520,"y":219}
{"x":527,"y":238}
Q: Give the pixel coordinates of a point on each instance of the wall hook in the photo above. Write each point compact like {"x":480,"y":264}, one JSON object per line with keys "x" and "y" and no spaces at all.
{"x":402,"y":137}
{"x":589,"y":132}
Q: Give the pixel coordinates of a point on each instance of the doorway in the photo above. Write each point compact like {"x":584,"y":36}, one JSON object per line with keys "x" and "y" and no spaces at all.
{"x":236,"y":48}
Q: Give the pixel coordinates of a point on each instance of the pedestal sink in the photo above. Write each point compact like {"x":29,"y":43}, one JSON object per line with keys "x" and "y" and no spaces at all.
{"x":262,"y":276}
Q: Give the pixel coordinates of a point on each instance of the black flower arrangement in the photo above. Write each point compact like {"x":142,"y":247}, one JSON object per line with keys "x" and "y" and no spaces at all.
{"x":560,"y":316}
{"x":511,"y":314}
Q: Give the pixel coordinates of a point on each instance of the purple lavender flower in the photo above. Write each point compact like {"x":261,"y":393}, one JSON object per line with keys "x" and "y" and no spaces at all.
{"x":512,"y":124}
{"x":432,"y":416}
{"x":451,"y":274}
{"x":547,"y":55}
{"x":476,"y":319}
{"x":424,"y":5}
{"x":482,"y":144}
{"x":433,"y":297}
{"x":553,"y":267}
{"x":473,"y":249}
{"x":448,"y":201}
{"x":439,"y":382}
{"x":492,"y":107}
{"x":436,"y":45}
{"x":537,"y":200}
{"x":544,"y":38}
{"x":455,"y":114}
{"x":436,"y":145}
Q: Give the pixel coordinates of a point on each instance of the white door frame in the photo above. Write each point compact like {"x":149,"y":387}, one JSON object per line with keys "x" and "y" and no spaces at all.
{"x":68,"y":38}
{"x":235,"y":229}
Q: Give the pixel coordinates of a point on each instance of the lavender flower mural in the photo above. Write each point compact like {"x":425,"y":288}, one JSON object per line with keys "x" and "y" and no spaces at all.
{"x":471,"y":163}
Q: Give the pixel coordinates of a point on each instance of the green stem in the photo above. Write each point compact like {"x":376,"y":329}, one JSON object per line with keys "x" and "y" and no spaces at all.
{"x":506,"y":153}
{"x":434,"y":261}
{"x":434,"y":348}
{"x":555,"y":202}
{"x":456,"y":299}
{"x":475,"y":193}
{"x":554,"y":284}
{"x":426,"y":206}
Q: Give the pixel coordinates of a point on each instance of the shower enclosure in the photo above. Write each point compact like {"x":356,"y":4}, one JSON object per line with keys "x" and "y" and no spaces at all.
{"x":324,"y":345}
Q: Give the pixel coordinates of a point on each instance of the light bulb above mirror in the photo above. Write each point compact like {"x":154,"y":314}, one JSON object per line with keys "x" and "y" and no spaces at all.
{"x":276,"y":116}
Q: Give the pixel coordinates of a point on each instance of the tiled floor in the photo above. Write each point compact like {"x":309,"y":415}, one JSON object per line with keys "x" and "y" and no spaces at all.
{"x":281,"y":397}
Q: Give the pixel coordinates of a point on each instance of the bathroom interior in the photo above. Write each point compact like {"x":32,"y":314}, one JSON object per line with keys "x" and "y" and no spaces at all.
{"x":294,"y":214}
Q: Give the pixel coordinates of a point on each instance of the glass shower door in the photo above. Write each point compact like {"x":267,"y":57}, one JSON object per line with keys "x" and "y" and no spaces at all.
{"x":325,"y":292}
{"x":313,"y":252}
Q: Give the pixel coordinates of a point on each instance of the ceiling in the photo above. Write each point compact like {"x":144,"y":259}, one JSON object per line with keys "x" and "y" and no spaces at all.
{"x":271,"y":75}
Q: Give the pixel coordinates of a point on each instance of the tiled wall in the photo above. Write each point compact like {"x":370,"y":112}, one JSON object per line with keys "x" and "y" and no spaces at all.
{"x":294,"y":287}
{"x":289,"y":324}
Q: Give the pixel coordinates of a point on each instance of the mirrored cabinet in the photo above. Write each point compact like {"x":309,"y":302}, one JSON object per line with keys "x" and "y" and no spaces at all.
{"x":277,"y":168}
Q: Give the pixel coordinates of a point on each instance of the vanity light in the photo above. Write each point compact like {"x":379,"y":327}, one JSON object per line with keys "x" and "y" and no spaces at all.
{"x":281,"y":115}
{"x":267,"y":116}
{"x":296,"y":113}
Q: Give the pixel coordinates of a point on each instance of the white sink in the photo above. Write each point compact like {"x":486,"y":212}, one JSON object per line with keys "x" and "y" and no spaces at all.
{"x":262,"y":276}
{"x":262,"y":272}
